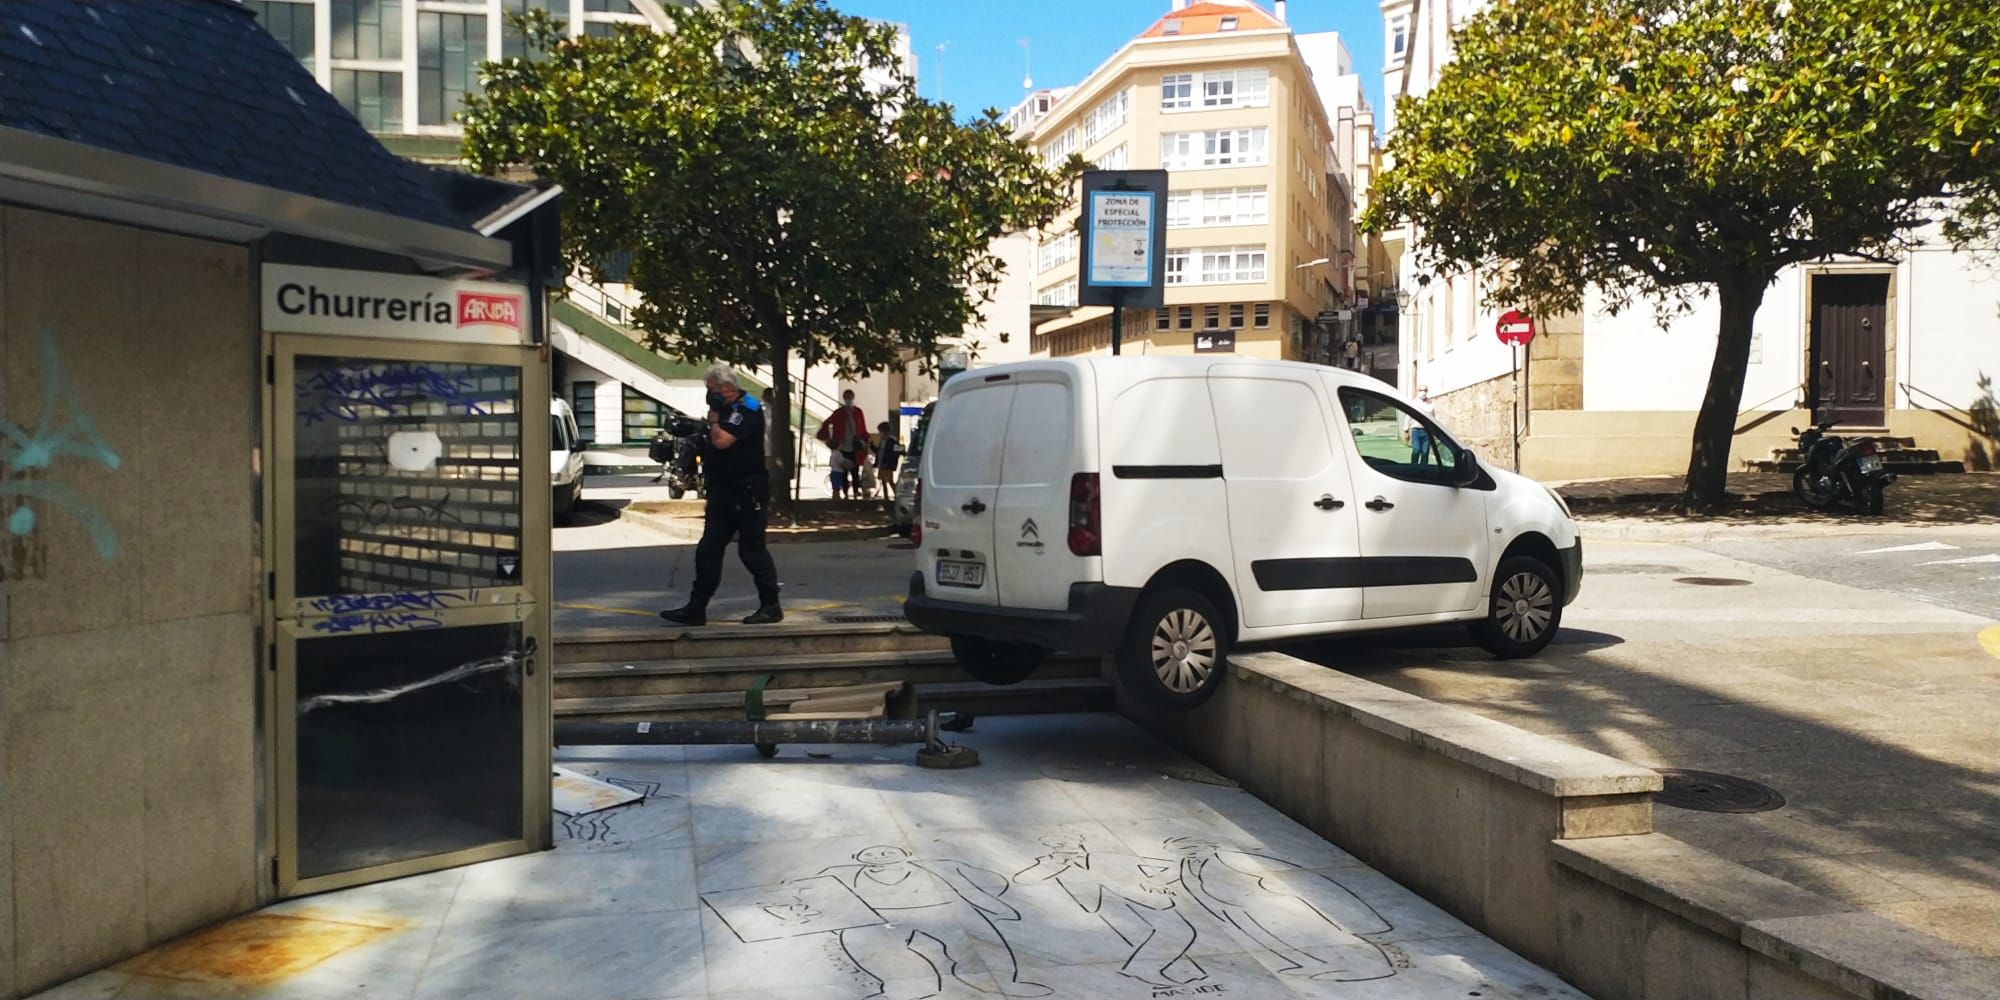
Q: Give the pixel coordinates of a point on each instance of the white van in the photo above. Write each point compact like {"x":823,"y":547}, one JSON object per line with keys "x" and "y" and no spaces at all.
{"x":565,"y":458}
{"x":1163,"y":509}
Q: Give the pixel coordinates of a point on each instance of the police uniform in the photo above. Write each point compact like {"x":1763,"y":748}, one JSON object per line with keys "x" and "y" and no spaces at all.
{"x":739,"y":500}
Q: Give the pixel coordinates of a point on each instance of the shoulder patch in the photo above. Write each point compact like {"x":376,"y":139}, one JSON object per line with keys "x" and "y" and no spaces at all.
{"x":736,"y":418}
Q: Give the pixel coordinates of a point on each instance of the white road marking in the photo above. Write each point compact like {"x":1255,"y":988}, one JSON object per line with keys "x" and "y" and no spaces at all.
{"x":1918,"y":547}
{"x":1994,"y":558}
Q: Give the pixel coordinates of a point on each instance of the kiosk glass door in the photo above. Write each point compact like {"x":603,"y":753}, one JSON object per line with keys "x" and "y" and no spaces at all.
{"x":408,"y":488}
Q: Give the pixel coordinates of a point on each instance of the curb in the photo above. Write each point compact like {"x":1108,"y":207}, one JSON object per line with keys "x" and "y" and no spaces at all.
{"x":688,"y":530}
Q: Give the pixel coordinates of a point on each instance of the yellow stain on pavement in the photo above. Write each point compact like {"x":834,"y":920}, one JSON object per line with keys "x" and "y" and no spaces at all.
{"x":1989,"y":640}
{"x":259,"y":948}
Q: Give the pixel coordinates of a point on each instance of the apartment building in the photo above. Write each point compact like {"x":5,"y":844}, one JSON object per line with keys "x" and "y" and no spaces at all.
{"x":1219,"y":94}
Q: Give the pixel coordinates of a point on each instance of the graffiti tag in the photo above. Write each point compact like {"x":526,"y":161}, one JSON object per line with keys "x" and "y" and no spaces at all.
{"x":61,"y":429}
{"x":349,"y":393}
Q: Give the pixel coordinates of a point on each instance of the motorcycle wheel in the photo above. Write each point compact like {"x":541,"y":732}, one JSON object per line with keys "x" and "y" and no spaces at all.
{"x":1874,"y":499}
{"x":1806,"y":486}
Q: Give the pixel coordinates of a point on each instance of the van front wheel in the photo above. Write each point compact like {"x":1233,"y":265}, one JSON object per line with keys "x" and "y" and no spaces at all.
{"x":993,"y":662}
{"x":1175,"y":651}
{"x":1525,"y":611}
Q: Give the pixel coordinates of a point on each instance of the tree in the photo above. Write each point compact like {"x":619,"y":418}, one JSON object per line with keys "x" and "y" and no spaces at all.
{"x":1669,"y":148}
{"x":773,"y":178}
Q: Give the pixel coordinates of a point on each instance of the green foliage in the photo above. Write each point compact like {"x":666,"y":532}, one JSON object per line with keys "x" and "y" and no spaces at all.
{"x":773,"y":197}
{"x":1657,"y":147}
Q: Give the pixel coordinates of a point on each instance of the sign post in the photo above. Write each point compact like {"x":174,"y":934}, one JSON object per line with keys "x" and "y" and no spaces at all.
{"x":1123,"y":235}
{"x":1516,"y":329}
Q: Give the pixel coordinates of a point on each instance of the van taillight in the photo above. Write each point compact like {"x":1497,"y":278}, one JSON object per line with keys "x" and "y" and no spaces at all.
{"x":917,"y":515}
{"x":1086,"y":532}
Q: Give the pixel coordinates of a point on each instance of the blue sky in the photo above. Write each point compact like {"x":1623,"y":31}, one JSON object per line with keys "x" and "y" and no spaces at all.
{"x":983,"y":59}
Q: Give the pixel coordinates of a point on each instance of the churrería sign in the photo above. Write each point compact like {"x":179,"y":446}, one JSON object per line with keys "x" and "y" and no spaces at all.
{"x":372,"y":304}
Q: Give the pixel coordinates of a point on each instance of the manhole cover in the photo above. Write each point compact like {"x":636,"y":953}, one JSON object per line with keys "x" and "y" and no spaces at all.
{"x":1711,"y":581}
{"x":1707,"y":791}
{"x":862,"y":619}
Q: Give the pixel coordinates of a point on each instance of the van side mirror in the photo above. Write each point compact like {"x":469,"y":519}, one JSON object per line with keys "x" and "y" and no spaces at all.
{"x":1466,"y":472}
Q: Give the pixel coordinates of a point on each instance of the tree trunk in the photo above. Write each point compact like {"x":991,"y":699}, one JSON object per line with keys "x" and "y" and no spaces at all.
{"x":778,"y":422}
{"x":1715,"y":427}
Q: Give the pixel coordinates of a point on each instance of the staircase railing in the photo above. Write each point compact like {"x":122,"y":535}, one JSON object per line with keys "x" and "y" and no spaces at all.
{"x":617,"y":310}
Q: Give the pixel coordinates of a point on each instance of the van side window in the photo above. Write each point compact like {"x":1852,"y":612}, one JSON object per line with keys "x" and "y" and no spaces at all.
{"x":1397,"y":441}
{"x":968,"y":435}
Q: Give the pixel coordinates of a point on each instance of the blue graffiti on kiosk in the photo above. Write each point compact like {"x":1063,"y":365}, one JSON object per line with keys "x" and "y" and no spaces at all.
{"x":61,"y":429}
{"x":350,"y":392}
{"x":401,"y":611}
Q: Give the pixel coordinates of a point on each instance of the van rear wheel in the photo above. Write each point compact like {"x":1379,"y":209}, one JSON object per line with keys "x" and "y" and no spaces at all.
{"x":993,"y":662}
{"x":1525,"y":611}
{"x":1175,"y":651}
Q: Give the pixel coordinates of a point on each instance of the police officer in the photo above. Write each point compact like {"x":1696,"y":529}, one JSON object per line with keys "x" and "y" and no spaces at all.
{"x":739,"y":499}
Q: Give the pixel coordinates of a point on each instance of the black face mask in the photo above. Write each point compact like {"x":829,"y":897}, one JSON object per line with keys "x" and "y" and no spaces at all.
{"x":718,"y":401}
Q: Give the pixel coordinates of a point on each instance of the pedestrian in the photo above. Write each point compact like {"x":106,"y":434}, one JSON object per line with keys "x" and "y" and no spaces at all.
{"x":888,"y":455}
{"x":739,"y":498}
{"x":846,"y":430}
{"x":1352,"y":352}
{"x":1414,"y":430}
{"x":838,"y":466}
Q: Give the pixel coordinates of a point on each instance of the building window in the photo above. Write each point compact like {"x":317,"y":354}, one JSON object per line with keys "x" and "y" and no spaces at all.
{"x":1187,"y":317}
{"x":450,"y":48}
{"x":1211,"y":317}
{"x":1117,"y":159}
{"x":1177,"y":267}
{"x":1244,"y":206}
{"x":1230,"y":147}
{"x":1056,"y":252}
{"x":1177,"y":92}
{"x":1232,"y":265}
{"x":1243,"y":88}
{"x":1236,"y":316}
{"x":1260,"y":317}
{"x":1064,"y":144}
{"x":368,"y":29}
{"x":291,"y":23}
{"x":1163,"y":320}
{"x":583,"y":403}
{"x":610,"y":7}
{"x":513,"y":44}
{"x":1172,"y":27}
{"x":1059,"y":295}
{"x":375,"y":98}
{"x":1399,"y":36}
{"x":644,"y":416}
{"x":602,"y":29}
{"x":1228,"y":24}
{"x":1106,"y":117}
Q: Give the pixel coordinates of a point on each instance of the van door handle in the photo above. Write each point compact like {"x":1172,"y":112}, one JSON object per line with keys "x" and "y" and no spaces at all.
{"x":1378,"y":504}
{"x":973,"y":506}
{"x":1327,"y":502}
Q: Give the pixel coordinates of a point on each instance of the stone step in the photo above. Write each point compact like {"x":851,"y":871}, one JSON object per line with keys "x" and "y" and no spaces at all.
{"x":732,"y":641}
{"x":1787,"y":467}
{"x":1035,"y":695}
{"x":735,"y":675}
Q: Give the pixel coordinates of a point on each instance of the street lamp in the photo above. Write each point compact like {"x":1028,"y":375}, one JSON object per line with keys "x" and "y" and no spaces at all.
{"x":1313,"y":263}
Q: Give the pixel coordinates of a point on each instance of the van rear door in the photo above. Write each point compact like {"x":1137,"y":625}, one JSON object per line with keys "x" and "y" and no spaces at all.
{"x":1031,"y":551}
{"x":961,"y":482}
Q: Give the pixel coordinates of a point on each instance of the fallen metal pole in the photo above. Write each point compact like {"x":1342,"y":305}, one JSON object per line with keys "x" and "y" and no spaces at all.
{"x":682,"y":733}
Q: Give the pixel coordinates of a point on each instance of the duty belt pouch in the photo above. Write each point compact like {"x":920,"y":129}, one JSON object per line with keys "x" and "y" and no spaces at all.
{"x":743,"y":496}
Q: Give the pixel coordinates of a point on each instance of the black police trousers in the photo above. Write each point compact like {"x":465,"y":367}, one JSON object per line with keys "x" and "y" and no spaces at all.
{"x":738,"y":510}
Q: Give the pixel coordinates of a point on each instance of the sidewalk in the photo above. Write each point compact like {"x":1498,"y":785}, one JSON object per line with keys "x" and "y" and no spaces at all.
{"x":1762,"y":505}
{"x":1081,"y":859}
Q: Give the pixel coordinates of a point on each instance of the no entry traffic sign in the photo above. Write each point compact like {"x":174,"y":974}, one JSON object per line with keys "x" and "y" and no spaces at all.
{"x":1515,"y":327}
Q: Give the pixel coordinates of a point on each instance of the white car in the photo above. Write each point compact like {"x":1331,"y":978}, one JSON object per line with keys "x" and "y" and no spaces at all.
{"x":1163,"y":509}
{"x":565,"y":458}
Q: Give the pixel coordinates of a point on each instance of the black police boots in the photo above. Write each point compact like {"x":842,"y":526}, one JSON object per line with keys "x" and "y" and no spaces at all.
{"x":691,"y":613}
{"x":767,"y":613}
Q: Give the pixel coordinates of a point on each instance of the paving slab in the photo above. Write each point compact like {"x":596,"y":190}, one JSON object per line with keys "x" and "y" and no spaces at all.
{"x":1081,"y":859}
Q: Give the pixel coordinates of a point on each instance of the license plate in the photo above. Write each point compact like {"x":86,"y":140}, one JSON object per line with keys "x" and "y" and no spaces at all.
{"x":1871,"y":463}
{"x":956,"y":573}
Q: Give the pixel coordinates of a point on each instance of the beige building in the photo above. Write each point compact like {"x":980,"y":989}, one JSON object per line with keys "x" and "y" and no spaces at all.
{"x":1219,"y":94}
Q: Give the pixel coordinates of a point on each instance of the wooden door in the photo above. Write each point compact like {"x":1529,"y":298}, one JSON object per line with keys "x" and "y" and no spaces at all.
{"x":1850,"y":346}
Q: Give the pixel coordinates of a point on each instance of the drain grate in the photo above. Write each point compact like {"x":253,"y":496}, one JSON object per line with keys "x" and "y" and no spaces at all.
{"x":861,"y":619}
{"x":1711,"y":581}
{"x":1707,"y":791}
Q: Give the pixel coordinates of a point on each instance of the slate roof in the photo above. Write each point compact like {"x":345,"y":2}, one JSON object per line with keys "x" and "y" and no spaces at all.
{"x":196,"y":84}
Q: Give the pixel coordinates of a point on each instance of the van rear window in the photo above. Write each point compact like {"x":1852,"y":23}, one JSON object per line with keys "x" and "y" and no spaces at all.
{"x":964,"y":441}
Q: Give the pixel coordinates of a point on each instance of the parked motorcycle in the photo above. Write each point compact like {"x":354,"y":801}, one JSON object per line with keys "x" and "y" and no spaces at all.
{"x":678,"y":449}
{"x":1833,"y":469}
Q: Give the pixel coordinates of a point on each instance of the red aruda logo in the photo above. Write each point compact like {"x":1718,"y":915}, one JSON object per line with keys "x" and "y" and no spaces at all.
{"x":475,"y":308}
